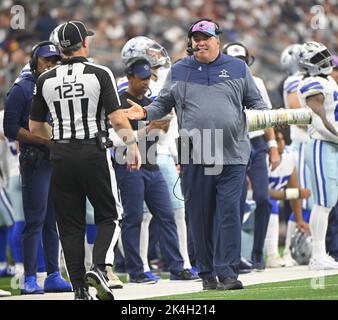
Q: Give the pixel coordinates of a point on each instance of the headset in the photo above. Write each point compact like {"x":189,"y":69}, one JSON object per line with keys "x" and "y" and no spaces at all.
{"x":190,"y":49}
{"x":33,"y":61}
{"x":249,"y":59}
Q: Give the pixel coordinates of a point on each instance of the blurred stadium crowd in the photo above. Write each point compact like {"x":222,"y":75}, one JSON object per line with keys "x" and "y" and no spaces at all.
{"x":266,"y":27}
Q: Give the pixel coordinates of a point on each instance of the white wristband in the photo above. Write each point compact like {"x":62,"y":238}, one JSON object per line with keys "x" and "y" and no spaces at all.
{"x":292,"y":193}
{"x":272,"y":144}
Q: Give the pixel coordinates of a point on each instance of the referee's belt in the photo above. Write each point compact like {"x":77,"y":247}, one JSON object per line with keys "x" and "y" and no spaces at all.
{"x":77,"y":141}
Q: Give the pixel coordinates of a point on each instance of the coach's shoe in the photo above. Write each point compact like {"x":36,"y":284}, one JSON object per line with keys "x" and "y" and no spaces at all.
{"x":275,"y":262}
{"x":324,"y":263}
{"x":4,"y":293}
{"x":30,"y":286}
{"x":114,"y":281}
{"x":258,"y":262}
{"x":146,"y":277}
{"x":82,"y":294}
{"x":229,"y":284}
{"x":98,"y":279}
{"x":185,"y":274}
{"x":209,"y":283}
{"x":55,"y":283}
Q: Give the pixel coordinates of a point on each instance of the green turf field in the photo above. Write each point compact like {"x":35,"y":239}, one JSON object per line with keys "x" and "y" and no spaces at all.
{"x":5,"y":284}
{"x":305,"y":289}
{"x":325,"y":288}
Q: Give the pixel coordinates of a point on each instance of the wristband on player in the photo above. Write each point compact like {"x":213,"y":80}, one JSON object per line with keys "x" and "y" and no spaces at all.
{"x":292,"y":193}
{"x":272,"y":143}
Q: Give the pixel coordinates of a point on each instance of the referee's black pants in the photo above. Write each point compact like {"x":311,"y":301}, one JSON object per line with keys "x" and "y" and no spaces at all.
{"x":81,"y":170}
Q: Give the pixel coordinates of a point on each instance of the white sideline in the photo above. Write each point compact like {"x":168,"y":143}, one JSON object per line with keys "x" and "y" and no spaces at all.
{"x":166,"y":287}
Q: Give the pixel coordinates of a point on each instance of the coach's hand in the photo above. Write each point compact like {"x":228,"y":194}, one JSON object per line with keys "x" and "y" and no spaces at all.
{"x":133,"y":157}
{"x":135,"y":112}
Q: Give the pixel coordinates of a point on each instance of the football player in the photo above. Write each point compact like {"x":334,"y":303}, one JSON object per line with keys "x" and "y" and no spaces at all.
{"x":319,"y":91}
{"x":299,"y":136}
{"x":134,"y":49}
{"x":283,"y":184}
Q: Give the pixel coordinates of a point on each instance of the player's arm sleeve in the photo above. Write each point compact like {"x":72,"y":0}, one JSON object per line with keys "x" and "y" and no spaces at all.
{"x":14,"y":105}
{"x":291,"y":86}
{"x":109,"y":95}
{"x":310,"y":87}
{"x":252,"y":98}
{"x":164,"y":102}
{"x":40,"y":108}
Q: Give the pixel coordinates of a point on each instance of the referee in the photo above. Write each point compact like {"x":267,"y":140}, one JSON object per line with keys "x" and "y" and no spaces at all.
{"x":81,"y":97}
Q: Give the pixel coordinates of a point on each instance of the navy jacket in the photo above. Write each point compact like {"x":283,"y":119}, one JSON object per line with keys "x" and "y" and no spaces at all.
{"x":213,"y":97}
{"x":18,"y":105}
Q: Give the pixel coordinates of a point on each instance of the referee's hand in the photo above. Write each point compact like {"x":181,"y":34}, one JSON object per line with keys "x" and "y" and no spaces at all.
{"x":133,"y":157}
{"x":136,"y":112}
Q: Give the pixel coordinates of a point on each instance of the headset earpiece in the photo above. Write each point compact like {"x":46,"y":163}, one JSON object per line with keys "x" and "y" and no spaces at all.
{"x":33,"y":61}
{"x":218,"y":31}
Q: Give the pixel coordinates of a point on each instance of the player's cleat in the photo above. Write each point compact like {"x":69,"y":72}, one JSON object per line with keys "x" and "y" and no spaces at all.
{"x":185,"y":274}
{"x":55,"y":283}
{"x":114,"y":281}
{"x":4,"y":293}
{"x":30,"y":286}
{"x":98,"y":279}
{"x":229,"y":284}
{"x":82,"y":294}
{"x":144,"y":278}
{"x":324,"y":263}
{"x":209,"y":283}
{"x":289,"y":262}
{"x":244,"y":266}
{"x":152,"y":276}
{"x":8,"y":271}
{"x":194,"y":271}
{"x":275,"y":262}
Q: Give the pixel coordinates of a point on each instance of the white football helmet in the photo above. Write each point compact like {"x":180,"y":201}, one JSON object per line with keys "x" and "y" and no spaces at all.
{"x":301,"y":247}
{"x":315,"y":58}
{"x":289,"y":58}
{"x":143,"y":47}
{"x":53,"y":37}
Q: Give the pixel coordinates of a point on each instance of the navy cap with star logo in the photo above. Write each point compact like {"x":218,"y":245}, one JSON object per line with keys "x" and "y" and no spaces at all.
{"x":141,"y":69}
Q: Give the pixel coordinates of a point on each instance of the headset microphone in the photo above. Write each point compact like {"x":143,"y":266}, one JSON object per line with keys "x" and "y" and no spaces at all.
{"x":192,"y":50}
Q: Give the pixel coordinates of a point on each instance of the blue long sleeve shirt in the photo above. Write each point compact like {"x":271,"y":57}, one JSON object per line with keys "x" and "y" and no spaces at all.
{"x":18,"y":105}
{"x":209,"y":100}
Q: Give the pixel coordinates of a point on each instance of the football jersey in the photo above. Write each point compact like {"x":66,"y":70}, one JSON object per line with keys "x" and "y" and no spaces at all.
{"x":291,"y":83}
{"x":328,"y":87}
{"x":279,"y":178}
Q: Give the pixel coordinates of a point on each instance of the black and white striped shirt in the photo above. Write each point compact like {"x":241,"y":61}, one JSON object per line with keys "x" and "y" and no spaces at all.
{"x":79,"y":95}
